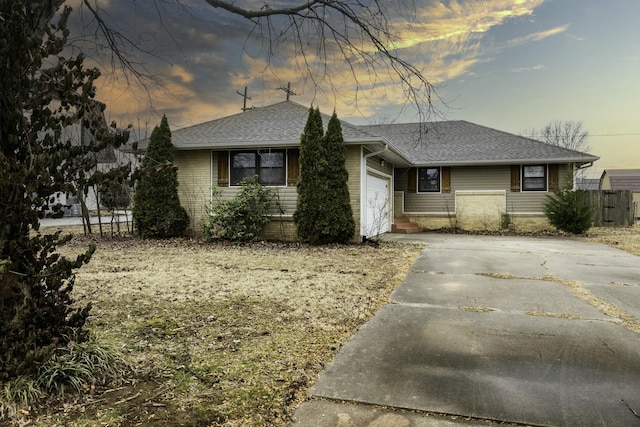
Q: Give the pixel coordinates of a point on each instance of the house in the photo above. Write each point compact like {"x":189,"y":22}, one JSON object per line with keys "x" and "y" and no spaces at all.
{"x":587,"y":183}
{"x":106,"y":160}
{"x":434,"y":175}
{"x":473,"y":177}
{"x":623,"y":179}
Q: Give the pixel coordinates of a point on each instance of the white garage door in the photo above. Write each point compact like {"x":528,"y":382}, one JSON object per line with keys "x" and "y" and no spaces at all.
{"x":377,"y":220}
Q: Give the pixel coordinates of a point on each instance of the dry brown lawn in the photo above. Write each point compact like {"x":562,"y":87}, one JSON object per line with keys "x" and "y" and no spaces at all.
{"x":220,"y":334}
{"x":627,"y":239}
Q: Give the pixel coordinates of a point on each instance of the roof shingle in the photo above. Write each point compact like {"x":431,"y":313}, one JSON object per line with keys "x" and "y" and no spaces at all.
{"x":462,"y":142}
{"x":275,"y":125}
{"x":438,"y":143}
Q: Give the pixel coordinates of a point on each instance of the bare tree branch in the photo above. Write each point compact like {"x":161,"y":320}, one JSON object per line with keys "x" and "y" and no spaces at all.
{"x":264,"y":11}
{"x":568,"y":134}
{"x":360,"y":32}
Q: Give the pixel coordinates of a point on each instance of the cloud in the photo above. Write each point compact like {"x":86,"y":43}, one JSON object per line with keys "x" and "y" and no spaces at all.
{"x":202,"y":55}
{"x":527,"y":69}
{"x":535,"y":37}
{"x":459,"y":21}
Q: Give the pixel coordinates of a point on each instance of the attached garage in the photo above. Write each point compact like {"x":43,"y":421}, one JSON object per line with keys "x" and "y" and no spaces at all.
{"x":377,"y":206}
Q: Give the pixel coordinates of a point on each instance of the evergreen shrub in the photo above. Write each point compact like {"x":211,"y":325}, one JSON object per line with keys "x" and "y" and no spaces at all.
{"x":566,"y":210}
{"x":157,"y":212}
{"x":242,"y":218}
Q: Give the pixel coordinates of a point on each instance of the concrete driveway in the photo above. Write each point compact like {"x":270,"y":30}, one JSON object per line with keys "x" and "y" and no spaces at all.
{"x":534,"y":331}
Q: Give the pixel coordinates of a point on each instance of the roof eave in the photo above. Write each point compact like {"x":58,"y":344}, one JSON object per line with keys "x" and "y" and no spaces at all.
{"x":581,"y":161}
{"x":254,"y":145}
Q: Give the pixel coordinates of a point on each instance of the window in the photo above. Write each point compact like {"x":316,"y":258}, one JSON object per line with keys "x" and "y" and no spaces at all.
{"x":428,"y":180}
{"x":268,"y":165}
{"x":534,"y":178}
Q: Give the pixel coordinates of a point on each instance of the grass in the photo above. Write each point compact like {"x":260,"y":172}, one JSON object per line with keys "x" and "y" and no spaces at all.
{"x":626,"y":239}
{"x":219,"y":334}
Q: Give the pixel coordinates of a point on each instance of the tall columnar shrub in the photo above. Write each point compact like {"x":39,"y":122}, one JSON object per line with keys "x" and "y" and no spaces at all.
{"x":157,"y":212}
{"x":323,"y":214}
{"x":311,"y":186}
{"x":566,"y":209}
{"x":335,"y":223}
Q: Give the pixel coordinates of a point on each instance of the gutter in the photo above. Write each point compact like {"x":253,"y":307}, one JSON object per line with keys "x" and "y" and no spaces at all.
{"x":384,"y":150}
{"x":585,"y":165}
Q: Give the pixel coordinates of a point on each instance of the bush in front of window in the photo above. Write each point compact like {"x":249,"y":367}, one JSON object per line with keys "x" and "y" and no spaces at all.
{"x":566,"y":210}
{"x":242,"y":218}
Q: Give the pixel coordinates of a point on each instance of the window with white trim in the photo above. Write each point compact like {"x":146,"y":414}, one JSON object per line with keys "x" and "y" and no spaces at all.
{"x":429,"y":180}
{"x":534,"y":178}
{"x":269,"y":165}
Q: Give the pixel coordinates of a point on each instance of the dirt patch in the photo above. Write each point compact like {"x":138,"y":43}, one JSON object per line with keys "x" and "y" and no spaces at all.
{"x":219,"y":334}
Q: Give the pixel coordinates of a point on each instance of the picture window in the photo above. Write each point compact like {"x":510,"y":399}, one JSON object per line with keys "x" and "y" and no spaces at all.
{"x":268,"y":165}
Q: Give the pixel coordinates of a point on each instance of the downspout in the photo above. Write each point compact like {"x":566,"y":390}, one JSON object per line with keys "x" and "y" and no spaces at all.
{"x":582,"y":166}
{"x":363,"y":191}
{"x":384,"y":150}
{"x":585,"y":165}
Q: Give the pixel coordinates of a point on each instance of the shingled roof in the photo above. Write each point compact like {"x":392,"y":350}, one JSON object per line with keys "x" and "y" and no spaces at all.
{"x":275,"y":125}
{"x":439,"y":143}
{"x":463,"y":143}
{"x":624,"y":179}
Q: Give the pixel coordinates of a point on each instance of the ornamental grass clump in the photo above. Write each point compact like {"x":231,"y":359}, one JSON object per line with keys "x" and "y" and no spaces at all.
{"x":75,"y":367}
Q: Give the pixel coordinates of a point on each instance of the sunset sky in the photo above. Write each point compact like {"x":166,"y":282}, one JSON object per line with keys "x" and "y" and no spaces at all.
{"x":513,"y":65}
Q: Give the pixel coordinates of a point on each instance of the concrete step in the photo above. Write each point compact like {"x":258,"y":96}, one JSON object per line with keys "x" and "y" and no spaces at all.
{"x":404,"y":225}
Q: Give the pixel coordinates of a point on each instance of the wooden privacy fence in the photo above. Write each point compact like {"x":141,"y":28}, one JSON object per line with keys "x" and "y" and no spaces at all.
{"x":611,"y":208}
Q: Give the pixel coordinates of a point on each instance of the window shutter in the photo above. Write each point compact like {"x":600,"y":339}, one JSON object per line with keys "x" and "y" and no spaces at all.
{"x":223,"y":168}
{"x":446,"y":180}
{"x":515,"y":178}
{"x":554,"y":177}
{"x":413,"y":180}
{"x":293,"y":167}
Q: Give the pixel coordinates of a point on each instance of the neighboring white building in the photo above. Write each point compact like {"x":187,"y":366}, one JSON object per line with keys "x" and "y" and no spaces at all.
{"x":107,"y":159}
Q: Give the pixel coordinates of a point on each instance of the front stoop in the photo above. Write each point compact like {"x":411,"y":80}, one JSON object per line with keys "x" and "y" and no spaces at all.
{"x":404,"y":225}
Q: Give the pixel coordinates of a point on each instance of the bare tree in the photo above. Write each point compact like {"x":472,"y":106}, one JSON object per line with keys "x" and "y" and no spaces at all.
{"x":360,"y":32}
{"x":568,"y":134}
